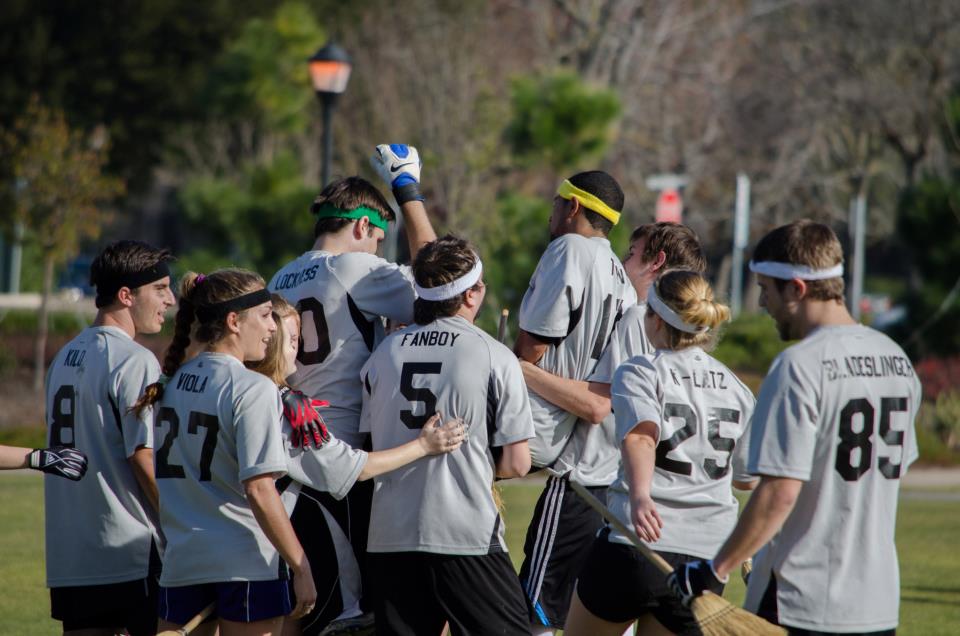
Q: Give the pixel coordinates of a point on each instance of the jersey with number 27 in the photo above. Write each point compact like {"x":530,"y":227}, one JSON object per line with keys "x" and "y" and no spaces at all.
{"x":217,"y":425}
{"x":836,"y":412}
{"x":576,"y":295}
{"x":340,"y":299}
{"x":99,"y":529}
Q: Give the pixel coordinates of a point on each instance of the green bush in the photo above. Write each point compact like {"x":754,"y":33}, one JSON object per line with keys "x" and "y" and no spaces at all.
{"x":25,"y":436}
{"x":750,"y":343}
{"x":946,"y":418}
{"x":24,"y":321}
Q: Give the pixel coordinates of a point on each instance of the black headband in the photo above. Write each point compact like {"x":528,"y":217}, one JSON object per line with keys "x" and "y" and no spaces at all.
{"x":209,"y":313}
{"x":108,"y":287}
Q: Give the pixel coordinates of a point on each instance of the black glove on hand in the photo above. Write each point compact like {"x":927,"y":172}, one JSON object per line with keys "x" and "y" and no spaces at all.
{"x":301,"y":411}
{"x":59,"y":460}
{"x":692,"y":579}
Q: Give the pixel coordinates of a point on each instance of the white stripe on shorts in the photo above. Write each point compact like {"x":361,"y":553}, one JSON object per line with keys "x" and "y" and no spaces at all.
{"x":546,"y":533}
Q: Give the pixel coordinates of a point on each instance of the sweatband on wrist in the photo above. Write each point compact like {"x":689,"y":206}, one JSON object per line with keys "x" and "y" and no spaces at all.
{"x":669,"y":316}
{"x":209,"y":313}
{"x":451,"y":289}
{"x":330,"y":211}
{"x":107,"y":289}
{"x":789,"y":271}
{"x":569,"y":191}
{"x":406,"y":193}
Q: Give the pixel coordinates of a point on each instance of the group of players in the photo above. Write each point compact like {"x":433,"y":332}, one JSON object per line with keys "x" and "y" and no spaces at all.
{"x":386,"y":518}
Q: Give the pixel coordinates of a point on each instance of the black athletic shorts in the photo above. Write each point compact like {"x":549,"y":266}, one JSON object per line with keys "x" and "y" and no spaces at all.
{"x":131,"y":604}
{"x":558,"y":541}
{"x":618,"y":584}
{"x":352,"y":516}
{"x":768,"y":611}
{"x":415,"y":593}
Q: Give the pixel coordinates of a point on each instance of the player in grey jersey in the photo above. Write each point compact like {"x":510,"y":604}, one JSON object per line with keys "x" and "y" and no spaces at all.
{"x":220,"y":512}
{"x":101,"y":543}
{"x":679,"y":416}
{"x":577,"y":293}
{"x":436,"y":536}
{"x":321,"y":467}
{"x":590,"y":457}
{"x":831,"y":438}
{"x":343,"y":291}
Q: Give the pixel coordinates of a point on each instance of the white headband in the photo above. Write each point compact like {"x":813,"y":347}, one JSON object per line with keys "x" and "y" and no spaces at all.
{"x":789,"y":271}
{"x":670,"y":316}
{"x":451,"y":290}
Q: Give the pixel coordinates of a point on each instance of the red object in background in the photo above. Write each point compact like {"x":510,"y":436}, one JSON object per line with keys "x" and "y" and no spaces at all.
{"x":669,"y":206}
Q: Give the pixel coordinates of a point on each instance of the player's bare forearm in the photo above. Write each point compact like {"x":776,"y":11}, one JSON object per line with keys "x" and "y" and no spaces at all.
{"x":639,"y":453}
{"x":12,"y":457}
{"x":419,"y":229}
{"x":590,"y":401}
{"x":141,"y":463}
{"x":380,"y":462}
{"x":514,"y":460}
{"x":272,"y":518}
{"x":763,"y":516}
{"x":528,"y":347}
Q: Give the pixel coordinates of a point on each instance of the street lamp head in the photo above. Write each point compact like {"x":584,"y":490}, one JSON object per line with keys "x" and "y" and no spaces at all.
{"x":330,"y":69}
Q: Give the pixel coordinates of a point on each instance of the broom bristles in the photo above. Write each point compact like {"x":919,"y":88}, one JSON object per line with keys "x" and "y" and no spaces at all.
{"x":717,"y":617}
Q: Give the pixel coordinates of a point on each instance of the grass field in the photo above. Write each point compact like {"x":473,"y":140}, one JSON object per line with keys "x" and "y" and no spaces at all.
{"x":927,"y":533}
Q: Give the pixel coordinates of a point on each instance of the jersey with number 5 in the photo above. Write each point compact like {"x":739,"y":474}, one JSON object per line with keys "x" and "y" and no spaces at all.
{"x":99,"y":529}
{"x":340,"y":299}
{"x":576,"y":295}
{"x":217,"y":425}
{"x":442,"y":504}
{"x":702,"y":412}
{"x":836,"y":412}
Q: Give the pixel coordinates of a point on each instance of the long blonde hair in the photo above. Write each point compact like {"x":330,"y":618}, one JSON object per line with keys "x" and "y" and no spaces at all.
{"x":273,"y":364}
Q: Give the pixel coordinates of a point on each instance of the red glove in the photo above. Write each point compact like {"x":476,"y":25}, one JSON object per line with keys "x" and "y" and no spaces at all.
{"x":301,"y":411}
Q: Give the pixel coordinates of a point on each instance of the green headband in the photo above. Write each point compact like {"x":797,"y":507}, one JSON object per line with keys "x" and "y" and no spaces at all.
{"x":329,"y":210}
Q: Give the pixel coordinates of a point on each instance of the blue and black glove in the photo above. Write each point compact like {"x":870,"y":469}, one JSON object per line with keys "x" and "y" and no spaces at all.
{"x":399,"y":167}
{"x":692,"y":579}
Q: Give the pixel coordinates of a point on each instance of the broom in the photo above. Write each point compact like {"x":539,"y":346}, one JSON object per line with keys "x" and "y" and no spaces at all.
{"x":714,"y":615}
{"x":192,"y":624}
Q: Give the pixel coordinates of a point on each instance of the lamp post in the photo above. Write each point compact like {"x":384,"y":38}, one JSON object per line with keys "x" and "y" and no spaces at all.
{"x":330,"y":72}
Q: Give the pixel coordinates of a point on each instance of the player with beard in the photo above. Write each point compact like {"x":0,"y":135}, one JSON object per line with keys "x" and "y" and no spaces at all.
{"x":833,"y":433}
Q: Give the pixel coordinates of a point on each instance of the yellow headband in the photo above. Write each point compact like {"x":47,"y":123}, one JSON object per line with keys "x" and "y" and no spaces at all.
{"x":569,"y":191}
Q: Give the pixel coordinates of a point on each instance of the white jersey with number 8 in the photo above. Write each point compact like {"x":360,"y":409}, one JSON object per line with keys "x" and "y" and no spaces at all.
{"x":836,"y":411}
{"x":701,"y":410}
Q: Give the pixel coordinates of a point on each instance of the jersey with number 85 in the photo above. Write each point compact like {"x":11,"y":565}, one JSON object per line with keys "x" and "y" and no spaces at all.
{"x":702,"y":412}
{"x":836,"y":411}
{"x":217,"y":425}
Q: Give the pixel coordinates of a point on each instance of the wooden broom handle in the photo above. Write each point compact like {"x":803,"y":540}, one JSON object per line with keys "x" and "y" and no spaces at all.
{"x":645,"y":550}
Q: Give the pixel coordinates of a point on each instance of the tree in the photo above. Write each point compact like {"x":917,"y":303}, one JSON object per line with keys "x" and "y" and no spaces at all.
{"x":60,"y":187}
